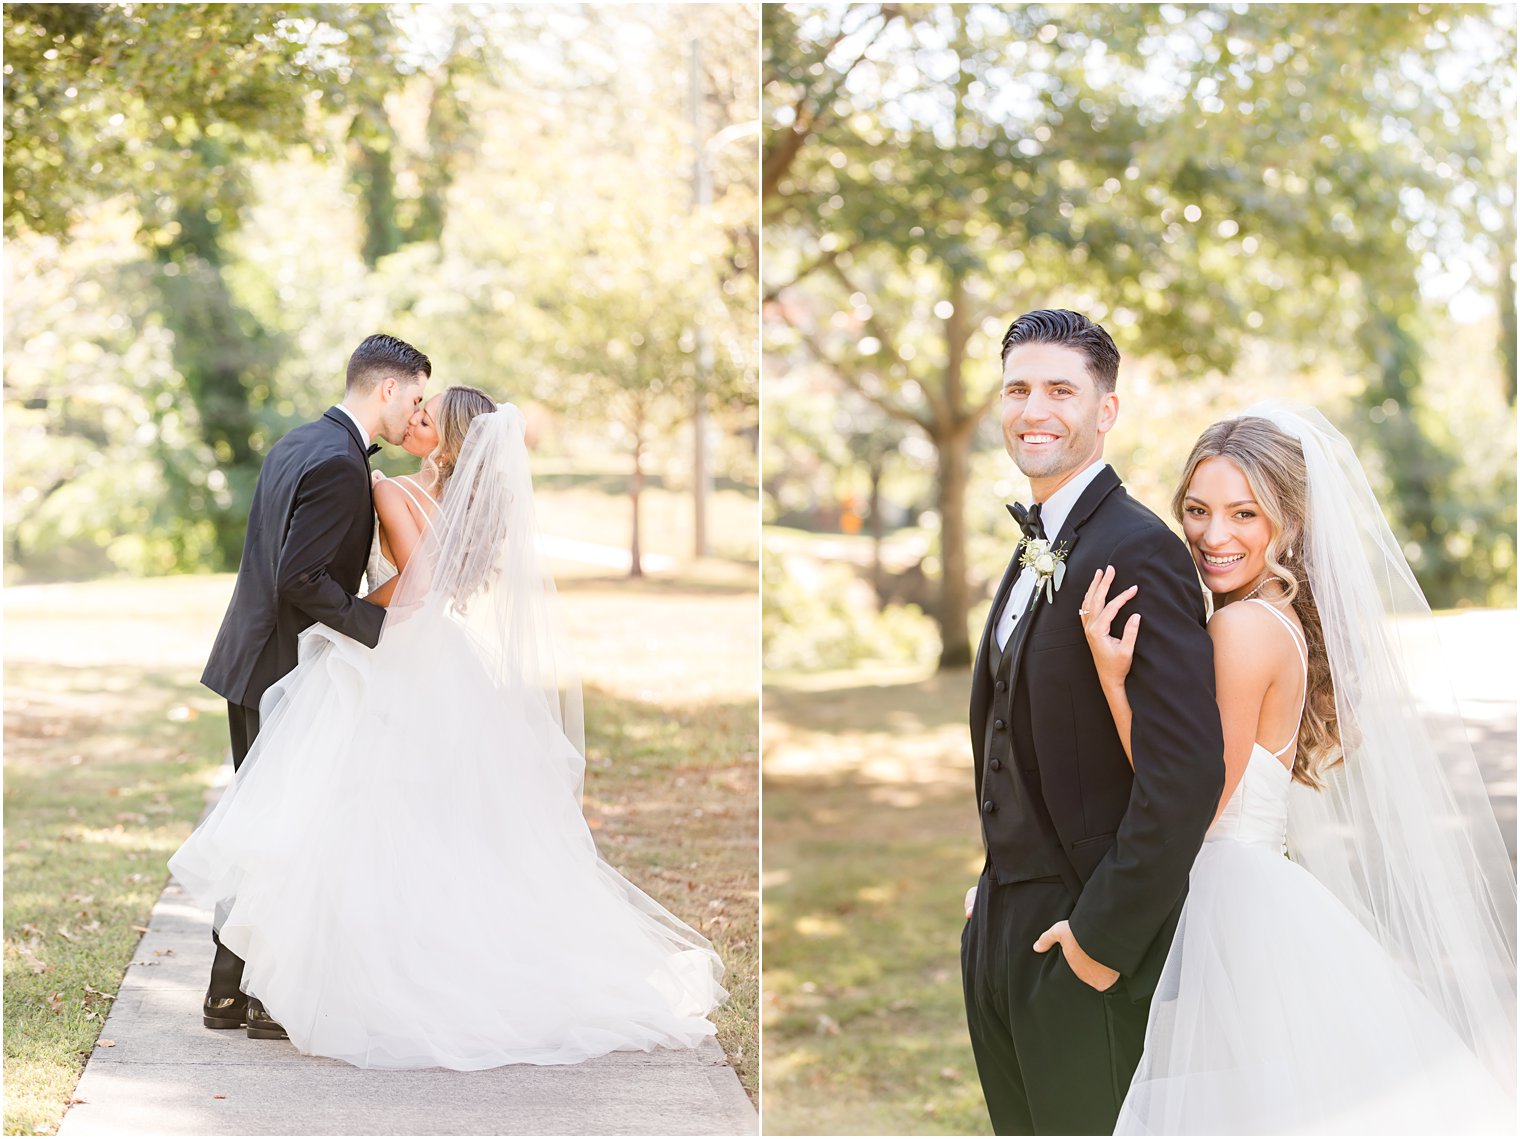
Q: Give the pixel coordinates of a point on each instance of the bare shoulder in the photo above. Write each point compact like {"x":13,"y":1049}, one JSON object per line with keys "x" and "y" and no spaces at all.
{"x":391,"y":501}
{"x":1247,"y":638}
{"x":386,"y":490}
{"x":1239,"y":621}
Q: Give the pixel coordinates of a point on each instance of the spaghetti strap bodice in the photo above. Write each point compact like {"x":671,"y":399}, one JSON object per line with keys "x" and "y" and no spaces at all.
{"x":380,"y":569}
{"x":407,"y":485}
{"x":1257,"y":813}
{"x":1303,"y":659}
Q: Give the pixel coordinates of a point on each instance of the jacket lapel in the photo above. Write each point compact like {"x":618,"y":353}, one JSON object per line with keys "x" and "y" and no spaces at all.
{"x":1103,"y":484}
{"x":347,"y":424}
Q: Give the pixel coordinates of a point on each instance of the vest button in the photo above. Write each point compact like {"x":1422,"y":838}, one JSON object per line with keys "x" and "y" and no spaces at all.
{"x":1002,"y":686}
{"x":988,"y":807}
{"x":998,"y":725}
{"x":996,"y":764}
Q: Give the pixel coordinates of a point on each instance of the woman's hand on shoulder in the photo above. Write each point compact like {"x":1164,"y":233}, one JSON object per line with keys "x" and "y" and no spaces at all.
{"x":1112,"y":655}
{"x":376,"y":478}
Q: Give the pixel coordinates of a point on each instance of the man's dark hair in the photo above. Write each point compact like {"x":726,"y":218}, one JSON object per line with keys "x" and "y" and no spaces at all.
{"x":379,"y":356}
{"x":1070,"y":330}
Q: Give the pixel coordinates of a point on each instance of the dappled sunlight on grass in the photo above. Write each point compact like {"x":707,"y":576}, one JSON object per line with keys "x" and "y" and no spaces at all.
{"x":871,"y":841}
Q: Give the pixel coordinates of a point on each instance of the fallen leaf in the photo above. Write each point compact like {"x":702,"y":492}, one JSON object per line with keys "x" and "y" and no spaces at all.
{"x":29,"y":955}
{"x":163,"y":953}
{"x":133,"y":879}
{"x":33,"y":930}
{"x":140,"y":928}
{"x":105,"y":1044}
{"x":64,"y":933}
{"x":55,"y":1002}
{"x":217,"y":1095}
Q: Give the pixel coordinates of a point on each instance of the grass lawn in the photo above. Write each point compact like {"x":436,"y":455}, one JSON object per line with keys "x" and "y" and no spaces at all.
{"x":870,"y":843}
{"x":111,"y":745}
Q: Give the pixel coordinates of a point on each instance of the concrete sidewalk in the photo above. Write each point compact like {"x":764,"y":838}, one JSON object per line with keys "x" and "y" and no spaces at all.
{"x":167,"y":1075}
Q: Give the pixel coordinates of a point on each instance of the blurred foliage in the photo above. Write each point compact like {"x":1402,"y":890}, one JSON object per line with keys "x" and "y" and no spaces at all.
{"x":811,"y":621}
{"x":1203,"y":180}
{"x":208,"y":206}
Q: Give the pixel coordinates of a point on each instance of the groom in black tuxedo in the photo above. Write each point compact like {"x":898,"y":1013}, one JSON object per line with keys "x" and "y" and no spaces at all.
{"x":309,"y":534}
{"x":1087,"y":859}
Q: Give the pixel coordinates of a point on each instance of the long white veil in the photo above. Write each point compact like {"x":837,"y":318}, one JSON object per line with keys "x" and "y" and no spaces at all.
{"x":1403,"y":833}
{"x":480,"y":562}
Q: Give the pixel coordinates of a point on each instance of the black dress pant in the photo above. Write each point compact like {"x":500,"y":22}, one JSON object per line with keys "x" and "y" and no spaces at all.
{"x":1055,"y":1056}
{"x":227,"y":966}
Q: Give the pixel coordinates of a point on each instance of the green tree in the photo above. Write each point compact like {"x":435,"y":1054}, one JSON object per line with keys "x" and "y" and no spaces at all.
{"x":168,"y":107}
{"x":1194,"y":177}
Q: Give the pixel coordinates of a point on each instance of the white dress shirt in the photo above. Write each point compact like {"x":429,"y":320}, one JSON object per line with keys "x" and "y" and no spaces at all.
{"x":1053,"y":512}
{"x":363,"y":434}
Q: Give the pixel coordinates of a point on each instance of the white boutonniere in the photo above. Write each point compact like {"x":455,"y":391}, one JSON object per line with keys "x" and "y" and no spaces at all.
{"x":1049,"y":565}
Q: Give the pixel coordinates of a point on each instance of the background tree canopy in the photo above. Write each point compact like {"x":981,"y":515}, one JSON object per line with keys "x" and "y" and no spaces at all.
{"x":1253,"y":199}
{"x":208,"y":205}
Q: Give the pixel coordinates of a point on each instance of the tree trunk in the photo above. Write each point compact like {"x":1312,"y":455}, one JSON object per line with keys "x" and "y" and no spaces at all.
{"x":954,"y":602}
{"x":878,"y":579}
{"x":635,"y":488}
{"x":953,"y":442}
{"x":222,"y":351}
{"x":1416,"y":464}
{"x":1508,"y":326}
{"x":372,"y":174}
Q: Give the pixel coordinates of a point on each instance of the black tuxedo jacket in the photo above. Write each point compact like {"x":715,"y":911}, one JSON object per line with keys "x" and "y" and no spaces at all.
{"x":309,"y":534}
{"x":1127,"y":837}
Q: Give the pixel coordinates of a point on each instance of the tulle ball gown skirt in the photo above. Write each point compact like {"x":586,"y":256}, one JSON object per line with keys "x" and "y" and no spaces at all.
{"x":1277,"y":1013}
{"x":403,"y":864}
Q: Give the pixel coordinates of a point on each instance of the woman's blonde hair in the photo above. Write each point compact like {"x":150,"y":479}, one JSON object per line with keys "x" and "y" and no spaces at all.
{"x":457,"y":407}
{"x":1273,"y":464}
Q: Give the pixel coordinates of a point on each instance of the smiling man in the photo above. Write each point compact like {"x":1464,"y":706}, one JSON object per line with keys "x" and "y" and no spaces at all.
{"x":1087,"y":858}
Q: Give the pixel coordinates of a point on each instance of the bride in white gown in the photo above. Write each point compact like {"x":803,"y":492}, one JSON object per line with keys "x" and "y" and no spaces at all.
{"x":1367,"y":985}
{"x":402,"y":860}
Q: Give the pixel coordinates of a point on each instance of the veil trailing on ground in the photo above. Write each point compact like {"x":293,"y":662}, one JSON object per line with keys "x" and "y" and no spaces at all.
{"x":1403,"y":832}
{"x":479,"y":562}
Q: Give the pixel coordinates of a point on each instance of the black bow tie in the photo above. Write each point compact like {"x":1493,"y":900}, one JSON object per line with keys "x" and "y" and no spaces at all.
{"x":374,"y":449}
{"x":1028,"y":520}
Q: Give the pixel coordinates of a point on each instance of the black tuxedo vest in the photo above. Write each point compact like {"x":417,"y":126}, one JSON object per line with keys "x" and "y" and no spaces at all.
{"x":1017,"y":830}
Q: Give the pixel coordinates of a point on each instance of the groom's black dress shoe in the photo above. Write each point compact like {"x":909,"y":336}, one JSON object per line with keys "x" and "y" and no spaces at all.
{"x":260,"y":1024}
{"x":224,"y":1012}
